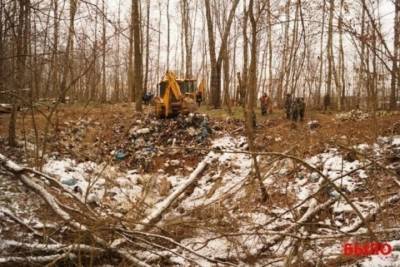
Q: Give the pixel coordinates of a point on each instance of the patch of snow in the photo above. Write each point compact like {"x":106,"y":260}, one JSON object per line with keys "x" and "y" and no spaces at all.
{"x":382,"y":260}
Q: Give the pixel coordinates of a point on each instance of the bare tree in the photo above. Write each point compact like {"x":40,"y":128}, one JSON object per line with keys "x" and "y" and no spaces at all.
{"x":396,"y":46}
{"x":146,"y":72}
{"x":138,"y":75}
{"x":131,"y":82}
{"x":103,"y":62}
{"x":69,"y":50}
{"x":216,"y":62}
{"x":21,"y":39}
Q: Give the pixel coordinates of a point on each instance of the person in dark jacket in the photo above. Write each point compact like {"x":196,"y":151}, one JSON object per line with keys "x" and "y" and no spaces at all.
{"x":263,"y":104}
{"x":288,"y":105}
{"x":199,"y":98}
{"x":147,"y":98}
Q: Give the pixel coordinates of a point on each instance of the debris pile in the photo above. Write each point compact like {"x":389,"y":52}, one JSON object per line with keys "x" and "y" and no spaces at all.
{"x":353,"y":115}
{"x":314,"y":124}
{"x":359,"y":115}
{"x":141,"y":145}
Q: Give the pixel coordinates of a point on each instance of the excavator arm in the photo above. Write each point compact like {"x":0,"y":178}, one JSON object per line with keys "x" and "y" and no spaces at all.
{"x":173,"y":85}
{"x":172,"y":98}
{"x":173,"y":88}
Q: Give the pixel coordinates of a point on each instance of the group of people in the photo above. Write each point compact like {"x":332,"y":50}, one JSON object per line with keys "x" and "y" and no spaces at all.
{"x":294,"y":108}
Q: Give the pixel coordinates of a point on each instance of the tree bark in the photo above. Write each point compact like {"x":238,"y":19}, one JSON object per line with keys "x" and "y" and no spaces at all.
{"x":395,"y":69}
{"x":215,"y":83}
{"x":103,"y":66}
{"x":138,"y":75}
{"x":131,"y":83}
{"x":146,"y":73}
{"x":68,"y":50}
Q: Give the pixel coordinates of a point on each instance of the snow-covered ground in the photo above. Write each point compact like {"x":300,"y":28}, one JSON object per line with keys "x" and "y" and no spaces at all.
{"x":226,"y":184}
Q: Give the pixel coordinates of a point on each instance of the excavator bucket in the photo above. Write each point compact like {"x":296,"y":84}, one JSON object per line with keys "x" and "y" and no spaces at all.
{"x":188,"y":105}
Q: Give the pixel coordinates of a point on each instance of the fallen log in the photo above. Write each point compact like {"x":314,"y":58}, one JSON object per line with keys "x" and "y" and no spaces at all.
{"x":5,"y":108}
{"x":312,"y":210}
{"x":49,"y":248}
{"x":161,"y":207}
{"x":17,"y":170}
{"x":29,"y":260}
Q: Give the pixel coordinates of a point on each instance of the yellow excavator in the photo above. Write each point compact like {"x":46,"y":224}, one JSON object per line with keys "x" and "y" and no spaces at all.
{"x":176,"y":96}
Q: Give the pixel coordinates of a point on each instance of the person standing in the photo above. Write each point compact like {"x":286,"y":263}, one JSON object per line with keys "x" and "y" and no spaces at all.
{"x":199,"y":98}
{"x":263,"y":104}
{"x":288,"y":105}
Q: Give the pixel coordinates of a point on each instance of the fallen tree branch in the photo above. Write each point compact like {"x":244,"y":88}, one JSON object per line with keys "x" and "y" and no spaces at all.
{"x":162,"y":206}
{"x":11,"y":215}
{"x":29,"y":260}
{"x":59,"y":185}
{"x":171,"y":241}
{"x":52,"y":202}
{"x":311,"y":211}
{"x":55,"y":248}
{"x":372,"y":214}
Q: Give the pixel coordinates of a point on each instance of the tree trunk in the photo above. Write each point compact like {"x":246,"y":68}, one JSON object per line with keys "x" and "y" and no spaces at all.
{"x":146,"y":74}
{"x":269,"y":22}
{"x":225,"y":64}
{"x":21,"y":41}
{"x":103,"y":66}
{"x":131,"y":83}
{"x":329,"y":49}
{"x":252,"y":85}
{"x":321,"y":56}
{"x":284,"y":56}
{"x":244,"y":87}
{"x":138,"y":75}
{"x":341,"y":57}
{"x":68,"y":50}
{"x":395,"y":70}
{"x":168,"y":36}
{"x":215,"y":83}
{"x":187,"y":37}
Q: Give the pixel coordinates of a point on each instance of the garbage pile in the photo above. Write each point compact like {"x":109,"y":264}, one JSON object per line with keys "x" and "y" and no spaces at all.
{"x":353,"y":115}
{"x":150,"y":139}
{"x":391,"y":151}
{"x":359,"y":115}
{"x":145,"y":144}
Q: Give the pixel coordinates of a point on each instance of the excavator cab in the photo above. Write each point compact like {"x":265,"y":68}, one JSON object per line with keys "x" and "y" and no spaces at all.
{"x":175,"y":96}
{"x":188,"y":86}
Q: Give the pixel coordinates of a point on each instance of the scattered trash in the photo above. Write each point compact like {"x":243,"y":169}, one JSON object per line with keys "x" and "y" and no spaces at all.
{"x":120,"y":155}
{"x":143,"y":131}
{"x":359,"y":115}
{"x":313,"y":124}
{"x":174,"y":162}
{"x":355,"y":115}
{"x":70,"y":181}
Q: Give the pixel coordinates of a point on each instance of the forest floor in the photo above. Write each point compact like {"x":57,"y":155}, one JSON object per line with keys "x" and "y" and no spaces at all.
{"x":125,"y":164}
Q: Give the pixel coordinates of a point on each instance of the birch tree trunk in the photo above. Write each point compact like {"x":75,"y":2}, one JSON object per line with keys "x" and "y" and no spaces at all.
{"x":321,"y":58}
